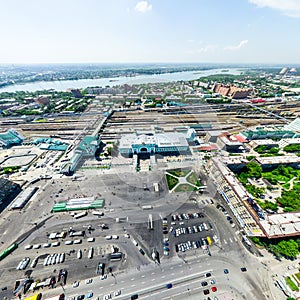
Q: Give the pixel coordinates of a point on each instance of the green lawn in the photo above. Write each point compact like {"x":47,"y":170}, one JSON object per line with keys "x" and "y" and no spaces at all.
{"x":291,"y":284}
{"x":171,"y":181}
{"x":185,"y":188}
{"x":192,"y":178}
{"x":179,"y":173}
{"x":298,"y":275}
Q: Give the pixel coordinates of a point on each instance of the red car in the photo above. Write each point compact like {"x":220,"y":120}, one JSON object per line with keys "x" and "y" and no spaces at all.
{"x":214,"y":289}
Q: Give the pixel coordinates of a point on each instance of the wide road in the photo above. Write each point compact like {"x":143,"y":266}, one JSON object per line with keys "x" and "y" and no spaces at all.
{"x":186,"y":276}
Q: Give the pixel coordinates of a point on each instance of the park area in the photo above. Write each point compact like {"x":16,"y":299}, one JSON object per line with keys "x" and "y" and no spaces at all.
{"x":286,"y":179}
{"x":182,"y":180}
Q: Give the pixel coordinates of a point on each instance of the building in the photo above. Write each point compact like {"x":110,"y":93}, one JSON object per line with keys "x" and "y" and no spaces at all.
{"x":86,"y":148}
{"x":268,"y":143}
{"x":229,"y":143}
{"x":249,"y":214}
{"x":42,"y":100}
{"x":231,"y":91}
{"x":157,"y":143}
{"x":8,"y":192}
{"x":267,"y":134}
{"x":76,"y":93}
{"x":10,"y":138}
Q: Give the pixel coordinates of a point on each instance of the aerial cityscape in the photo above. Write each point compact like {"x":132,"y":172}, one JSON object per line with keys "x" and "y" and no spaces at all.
{"x":150,"y":150}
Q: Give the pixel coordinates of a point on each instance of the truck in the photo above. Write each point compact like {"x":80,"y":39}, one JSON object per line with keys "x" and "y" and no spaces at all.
{"x":156,"y":187}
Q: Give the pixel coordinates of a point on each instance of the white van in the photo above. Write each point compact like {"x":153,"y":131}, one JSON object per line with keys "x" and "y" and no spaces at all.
{"x":77,"y":241}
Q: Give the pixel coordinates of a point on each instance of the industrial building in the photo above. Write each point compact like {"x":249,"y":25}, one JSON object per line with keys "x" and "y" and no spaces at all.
{"x":86,"y":148}
{"x":10,"y":138}
{"x":8,"y":192}
{"x":23,"y":198}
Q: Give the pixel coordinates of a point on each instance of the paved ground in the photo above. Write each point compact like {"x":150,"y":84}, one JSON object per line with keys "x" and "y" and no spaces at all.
{"x":124,"y":196}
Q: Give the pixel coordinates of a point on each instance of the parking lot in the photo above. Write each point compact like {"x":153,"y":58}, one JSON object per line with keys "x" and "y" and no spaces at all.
{"x":187,"y":231}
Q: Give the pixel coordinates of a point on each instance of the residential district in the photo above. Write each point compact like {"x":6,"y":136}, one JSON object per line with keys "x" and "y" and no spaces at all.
{"x":179,"y":190}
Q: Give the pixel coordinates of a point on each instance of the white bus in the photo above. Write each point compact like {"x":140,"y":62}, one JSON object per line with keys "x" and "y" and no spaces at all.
{"x":80,"y":215}
{"x":91,"y":252}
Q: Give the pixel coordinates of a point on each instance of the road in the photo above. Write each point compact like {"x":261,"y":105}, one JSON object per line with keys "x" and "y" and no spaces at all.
{"x":150,"y":281}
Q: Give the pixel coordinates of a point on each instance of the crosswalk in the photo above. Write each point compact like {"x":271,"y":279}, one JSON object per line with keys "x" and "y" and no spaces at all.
{"x":204,"y":201}
{"x":229,"y":241}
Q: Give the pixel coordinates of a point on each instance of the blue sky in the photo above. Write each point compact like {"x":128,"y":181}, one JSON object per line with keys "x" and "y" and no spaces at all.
{"x":75,"y":31}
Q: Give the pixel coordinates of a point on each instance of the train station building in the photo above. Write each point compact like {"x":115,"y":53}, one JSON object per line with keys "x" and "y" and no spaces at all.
{"x":151,"y":143}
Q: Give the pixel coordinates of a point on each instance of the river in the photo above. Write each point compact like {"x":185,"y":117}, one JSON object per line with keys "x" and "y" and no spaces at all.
{"x":139,"y":79}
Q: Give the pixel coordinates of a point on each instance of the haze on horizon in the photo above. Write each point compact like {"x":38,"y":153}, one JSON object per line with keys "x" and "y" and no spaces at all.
{"x":134,"y":31}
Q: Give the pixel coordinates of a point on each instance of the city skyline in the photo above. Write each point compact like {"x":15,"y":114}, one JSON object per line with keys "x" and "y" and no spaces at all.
{"x":132,"y":31}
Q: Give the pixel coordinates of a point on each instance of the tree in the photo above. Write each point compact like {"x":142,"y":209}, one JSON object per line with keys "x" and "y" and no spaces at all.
{"x":288,"y":248}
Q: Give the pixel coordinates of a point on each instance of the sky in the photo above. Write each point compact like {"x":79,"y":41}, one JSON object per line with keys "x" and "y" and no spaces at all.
{"x":125,"y":31}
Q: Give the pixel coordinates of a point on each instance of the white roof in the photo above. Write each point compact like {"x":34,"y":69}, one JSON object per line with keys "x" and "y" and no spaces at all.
{"x":282,"y":224}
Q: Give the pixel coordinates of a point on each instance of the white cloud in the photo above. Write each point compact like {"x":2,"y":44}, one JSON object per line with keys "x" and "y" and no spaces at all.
{"x":237,"y":47}
{"x":288,"y":7}
{"x":207,"y":48}
{"x":143,"y":6}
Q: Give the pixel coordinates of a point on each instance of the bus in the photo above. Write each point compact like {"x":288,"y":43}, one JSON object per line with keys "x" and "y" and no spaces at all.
{"x":77,"y":233}
{"x":146,"y":207}
{"x":58,"y":297}
{"x":8,"y":250}
{"x":98,"y":213}
{"x":80,"y":215}
{"x":91,"y":253}
{"x":37,"y":296}
{"x":156,"y":187}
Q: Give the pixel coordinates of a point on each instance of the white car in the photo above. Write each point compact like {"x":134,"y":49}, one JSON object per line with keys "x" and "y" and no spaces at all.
{"x":75,"y":284}
{"x":106,"y":297}
{"x":103,"y":277}
{"x":117,"y":293}
{"x":127,"y":235}
{"x":88,"y":281}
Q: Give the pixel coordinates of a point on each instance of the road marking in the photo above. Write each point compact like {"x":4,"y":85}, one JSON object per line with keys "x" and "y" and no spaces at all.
{"x":179,"y":265}
{"x":133,"y":285}
{"x":101,"y":287}
{"x":152,"y":279}
{"x":163,"y":276}
{"x":181,"y":271}
{"x":132,"y":278}
{"x":143,"y":276}
{"x":152,"y":273}
{"x":122,"y":281}
{"x":171,"y":268}
{"x":112,"y":284}
{"x":143,"y":282}
{"x":235,"y":239}
{"x":172,"y":274}
{"x":225,"y":242}
{"x":230,"y":240}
